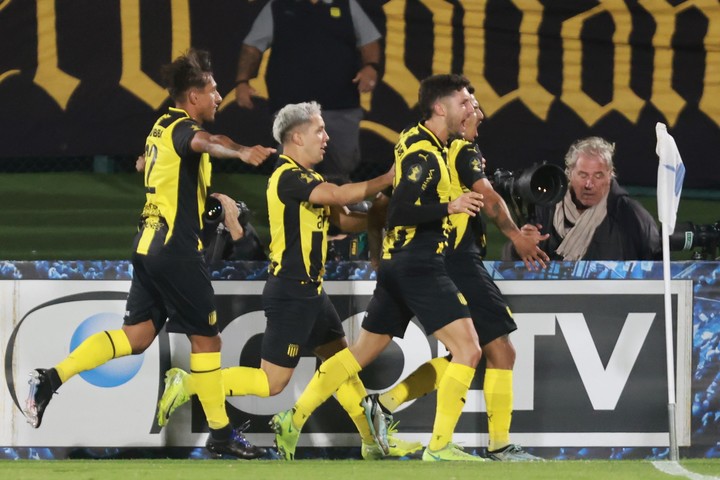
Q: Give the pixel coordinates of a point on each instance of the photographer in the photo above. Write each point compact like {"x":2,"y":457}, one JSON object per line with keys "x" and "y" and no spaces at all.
{"x":596,"y":219}
{"x":235,"y":239}
{"x":228,"y":234}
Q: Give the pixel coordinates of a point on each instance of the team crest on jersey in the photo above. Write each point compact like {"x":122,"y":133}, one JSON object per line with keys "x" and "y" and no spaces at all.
{"x":196,"y":128}
{"x":306,"y":177}
{"x":476,"y":165}
{"x":414,"y":173}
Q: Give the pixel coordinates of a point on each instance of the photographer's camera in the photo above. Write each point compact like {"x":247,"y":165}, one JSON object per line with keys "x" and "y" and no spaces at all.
{"x":542,"y":184}
{"x":215,"y":214}
{"x":705,"y":238}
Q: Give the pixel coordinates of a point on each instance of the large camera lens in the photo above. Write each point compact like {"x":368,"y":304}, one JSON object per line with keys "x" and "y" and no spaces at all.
{"x":215,"y":214}
{"x":213,"y":211}
{"x":688,"y":236}
{"x":542,"y":184}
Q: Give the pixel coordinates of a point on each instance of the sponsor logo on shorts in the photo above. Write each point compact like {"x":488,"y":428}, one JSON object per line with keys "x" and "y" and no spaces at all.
{"x":212,"y":318}
{"x":293,"y":350}
{"x":461,"y":297}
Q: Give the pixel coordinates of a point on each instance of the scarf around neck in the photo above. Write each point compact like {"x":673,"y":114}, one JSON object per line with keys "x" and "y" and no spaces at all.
{"x":577,"y":237}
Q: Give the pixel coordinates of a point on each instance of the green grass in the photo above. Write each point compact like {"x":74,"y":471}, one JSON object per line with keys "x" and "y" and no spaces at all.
{"x":86,"y":216}
{"x":346,"y":469}
{"x":83,"y":216}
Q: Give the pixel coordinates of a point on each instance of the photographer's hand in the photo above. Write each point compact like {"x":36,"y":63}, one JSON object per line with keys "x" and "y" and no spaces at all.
{"x":230,"y":218}
{"x":526,"y":246}
{"x":524,"y":239}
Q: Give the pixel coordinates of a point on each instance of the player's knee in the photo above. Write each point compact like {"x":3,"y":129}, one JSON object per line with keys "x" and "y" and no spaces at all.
{"x":510,"y":354}
{"x":500,"y":353}
{"x":277,"y":386}
{"x":468,"y":354}
{"x":475,"y":355}
{"x":140,"y":345}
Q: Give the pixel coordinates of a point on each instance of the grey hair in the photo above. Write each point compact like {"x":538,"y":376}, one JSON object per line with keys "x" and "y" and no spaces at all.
{"x":592,"y":146}
{"x":292,"y":115}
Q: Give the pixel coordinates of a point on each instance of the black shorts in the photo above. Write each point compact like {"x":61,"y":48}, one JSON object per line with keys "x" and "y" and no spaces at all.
{"x":407,"y":286}
{"x":490,"y":312}
{"x":176,"y":290}
{"x":300,"y":318}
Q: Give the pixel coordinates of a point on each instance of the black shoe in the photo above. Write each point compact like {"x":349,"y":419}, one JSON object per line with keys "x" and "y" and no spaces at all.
{"x":43,"y":383}
{"x":236,"y":445}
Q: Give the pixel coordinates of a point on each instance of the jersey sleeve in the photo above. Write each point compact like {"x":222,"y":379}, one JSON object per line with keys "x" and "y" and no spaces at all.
{"x":294,"y":184}
{"x":468,"y":164}
{"x":365,"y":30}
{"x":260,"y":35}
{"x":183,"y":134}
{"x":404,"y":208}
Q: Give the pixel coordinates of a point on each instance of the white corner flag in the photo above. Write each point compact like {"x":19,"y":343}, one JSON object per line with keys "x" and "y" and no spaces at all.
{"x":671,"y":173}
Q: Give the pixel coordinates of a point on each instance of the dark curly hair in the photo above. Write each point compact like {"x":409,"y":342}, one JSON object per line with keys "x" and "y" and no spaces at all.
{"x":436,"y":87}
{"x":189,"y":70}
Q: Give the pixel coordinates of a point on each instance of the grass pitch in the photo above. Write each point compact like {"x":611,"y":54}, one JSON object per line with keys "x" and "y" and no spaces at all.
{"x":86,"y":216}
{"x":696,"y":469}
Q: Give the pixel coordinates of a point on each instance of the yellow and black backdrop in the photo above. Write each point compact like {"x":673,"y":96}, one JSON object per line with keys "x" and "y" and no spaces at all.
{"x":80,"y":77}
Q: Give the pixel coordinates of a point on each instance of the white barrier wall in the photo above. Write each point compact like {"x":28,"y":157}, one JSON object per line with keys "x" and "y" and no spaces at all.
{"x":590,"y":367}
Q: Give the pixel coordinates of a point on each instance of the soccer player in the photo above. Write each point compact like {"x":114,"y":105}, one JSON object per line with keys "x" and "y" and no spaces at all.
{"x":412,"y":279}
{"x":490,"y":313}
{"x":299,"y":313}
{"x":171,"y":283}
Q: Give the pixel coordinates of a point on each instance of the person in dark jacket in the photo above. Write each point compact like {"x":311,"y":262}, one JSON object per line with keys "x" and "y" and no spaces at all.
{"x":596,"y":219}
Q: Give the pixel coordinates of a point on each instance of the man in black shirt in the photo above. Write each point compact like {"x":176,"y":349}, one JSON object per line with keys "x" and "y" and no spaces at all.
{"x":326,"y":51}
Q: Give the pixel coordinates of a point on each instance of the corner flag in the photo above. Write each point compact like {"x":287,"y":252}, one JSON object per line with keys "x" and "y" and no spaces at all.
{"x":671,"y":173}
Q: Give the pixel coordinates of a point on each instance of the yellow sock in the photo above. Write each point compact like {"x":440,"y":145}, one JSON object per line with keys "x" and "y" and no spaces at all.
{"x":205,"y":367}
{"x":237,"y":381}
{"x":421,"y":382}
{"x":332,"y":373}
{"x":450,"y":402}
{"x":95,"y":350}
{"x":498,"y":391}
{"x":349,"y":395}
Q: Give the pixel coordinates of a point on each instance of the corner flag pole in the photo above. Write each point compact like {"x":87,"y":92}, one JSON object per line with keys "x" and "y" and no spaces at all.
{"x":674,"y":451}
{"x":671,"y":173}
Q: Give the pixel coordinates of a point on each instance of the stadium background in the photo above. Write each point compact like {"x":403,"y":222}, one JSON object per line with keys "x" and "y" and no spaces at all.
{"x":80,"y":78}
{"x":79,"y":89}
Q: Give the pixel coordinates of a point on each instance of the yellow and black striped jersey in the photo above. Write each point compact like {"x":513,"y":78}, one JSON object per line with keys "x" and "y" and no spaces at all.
{"x":417,"y":213}
{"x":298,"y":228}
{"x":465,"y":166}
{"x":176,"y":184}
